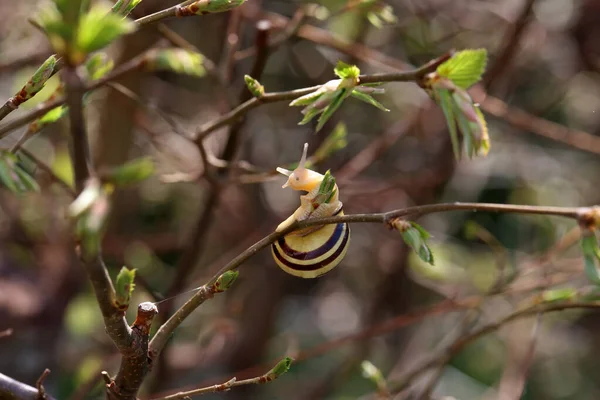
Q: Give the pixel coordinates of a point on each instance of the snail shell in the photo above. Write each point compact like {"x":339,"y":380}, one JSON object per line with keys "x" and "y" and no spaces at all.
{"x":315,"y":250}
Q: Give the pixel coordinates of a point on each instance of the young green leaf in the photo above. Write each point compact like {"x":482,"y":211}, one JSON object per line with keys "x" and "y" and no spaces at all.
{"x":591,"y":256}
{"x":129,"y":173}
{"x":124,"y":286}
{"x":335,"y":141}
{"x":560,"y":294}
{"x":13,"y":176}
{"x":381,"y":15}
{"x":368,"y":99}
{"x":36,"y":82}
{"x":465,"y":67}
{"x":415,"y":236}
{"x":372,"y":373}
{"x":281,"y":368}
{"x":346,"y":71}
{"x":332,"y":107}
{"x":99,"y":27}
{"x":125,"y":7}
{"x":254,"y":86}
{"x":310,"y":114}
{"x":50,"y":117}
{"x":180,"y":61}
{"x":445,"y":102}
{"x":98,"y":65}
{"x":225,"y":281}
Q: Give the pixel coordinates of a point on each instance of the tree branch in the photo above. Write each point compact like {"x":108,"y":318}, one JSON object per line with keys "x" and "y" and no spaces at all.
{"x":162,"y":14}
{"x":462,"y":342}
{"x":167,"y":329}
{"x":43,"y":108}
{"x":11,"y":389}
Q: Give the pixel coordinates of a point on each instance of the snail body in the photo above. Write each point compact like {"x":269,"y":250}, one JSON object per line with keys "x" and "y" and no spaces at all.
{"x":315,"y":250}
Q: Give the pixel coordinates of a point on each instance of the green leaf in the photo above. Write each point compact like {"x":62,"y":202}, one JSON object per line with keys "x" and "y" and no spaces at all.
{"x":346,"y":71}
{"x":99,"y":27}
{"x":445,"y":102}
{"x":313,"y":112}
{"x":281,"y":368}
{"x":180,"y":61}
{"x":6,"y":176}
{"x":38,"y":79}
{"x":372,"y":373}
{"x":50,"y":117}
{"x":225,"y":281}
{"x":98,"y":65}
{"x":130,"y":173}
{"x":306,"y":99}
{"x":124,"y":286}
{"x":591,"y":255}
{"x":415,"y":236}
{"x":465,"y":67}
{"x":332,"y":107}
{"x":326,"y":189}
{"x":368,"y":99}
{"x":335,"y":141}
{"x":125,"y":7}
{"x":560,"y":294}
{"x":382,"y":15}
{"x":254,"y":86}
{"x":13,"y":176}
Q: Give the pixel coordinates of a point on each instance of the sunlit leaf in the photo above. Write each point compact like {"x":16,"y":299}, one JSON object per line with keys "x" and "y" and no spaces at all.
{"x":464,"y":68}
{"x":130,"y":173}
{"x":180,"y":61}
{"x":125,"y":7}
{"x":99,"y":27}
{"x":346,"y":71}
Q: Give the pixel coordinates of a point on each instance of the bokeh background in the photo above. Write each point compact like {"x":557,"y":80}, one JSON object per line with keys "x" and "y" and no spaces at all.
{"x":544,"y":60}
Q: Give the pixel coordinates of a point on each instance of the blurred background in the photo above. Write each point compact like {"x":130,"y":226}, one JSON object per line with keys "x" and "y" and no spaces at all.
{"x":179,"y":227}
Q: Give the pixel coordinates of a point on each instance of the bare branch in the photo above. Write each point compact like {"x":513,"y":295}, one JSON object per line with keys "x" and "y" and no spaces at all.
{"x":178,"y":317}
{"x":11,"y":389}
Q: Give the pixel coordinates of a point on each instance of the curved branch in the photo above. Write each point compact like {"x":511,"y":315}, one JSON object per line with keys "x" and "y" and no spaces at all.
{"x":177,"y":318}
{"x":11,"y":389}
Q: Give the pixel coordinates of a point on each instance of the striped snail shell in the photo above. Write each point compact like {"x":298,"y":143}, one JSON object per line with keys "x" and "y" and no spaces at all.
{"x":315,"y":250}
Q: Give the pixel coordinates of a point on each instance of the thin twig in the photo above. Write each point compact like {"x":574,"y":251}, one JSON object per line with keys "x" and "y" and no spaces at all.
{"x":162,"y":14}
{"x":13,"y":389}
{"x":223,"y":387}
{"x":43,"y":108}
{"x":460,"y":344}
{"x":39,"y":384}
{"x":509,"y":46}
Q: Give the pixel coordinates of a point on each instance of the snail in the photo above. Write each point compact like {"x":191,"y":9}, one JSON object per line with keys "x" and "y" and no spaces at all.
{"x":315,"y":250}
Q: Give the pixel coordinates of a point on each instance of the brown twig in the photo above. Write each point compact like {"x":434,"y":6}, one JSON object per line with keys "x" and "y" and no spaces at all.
{"x":462,"y":342}
{"x":509,"y":46}
{"x":162,"y":14}
{"x":226,"y":386}
{"x":43,"y":108}
{"x":39,"y":384}
{"x":542,"y":127}
{"x":13,"y":389}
